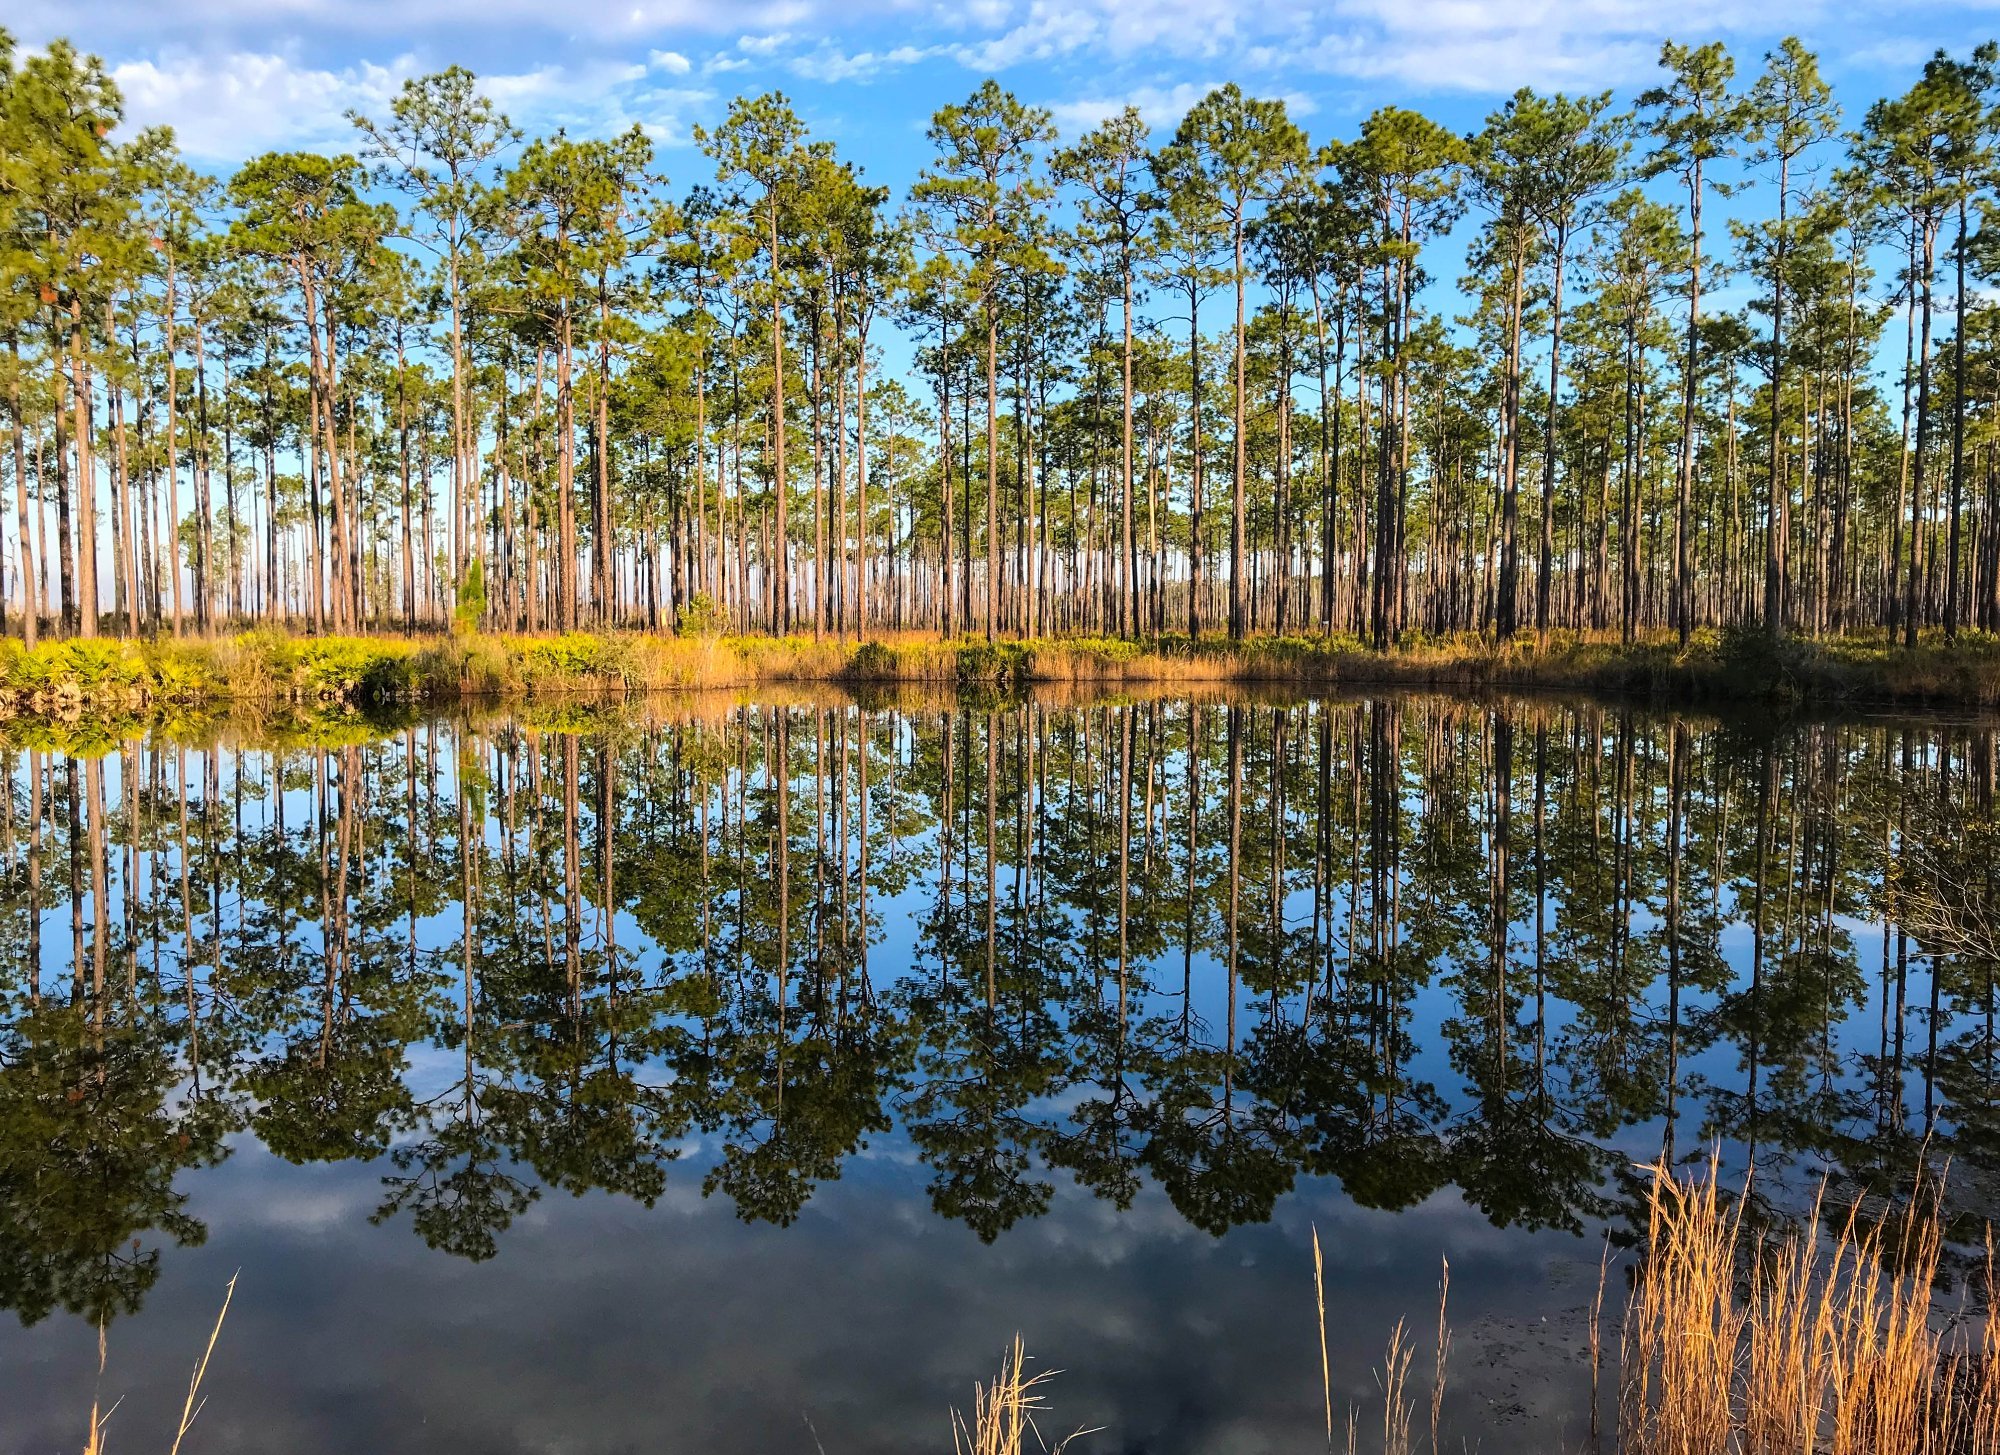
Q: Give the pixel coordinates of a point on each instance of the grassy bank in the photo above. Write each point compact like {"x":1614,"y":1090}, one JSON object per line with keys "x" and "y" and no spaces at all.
{"x":67,"y":678}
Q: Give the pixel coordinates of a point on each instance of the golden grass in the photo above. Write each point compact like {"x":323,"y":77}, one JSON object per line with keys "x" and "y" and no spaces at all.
{"x":1806,"y":1341}
{"x":195,"y":1402}
{"x":1393,"y":1378}
{"x":1443,"y":1353}
{"x":1003,"y":1412}
{"x":263,"y":666}
{"x":1597,"y":1341}
{"x":1798,"y":1342}
{"x":1399,"y":1406}
{"x":1325,"y":1365}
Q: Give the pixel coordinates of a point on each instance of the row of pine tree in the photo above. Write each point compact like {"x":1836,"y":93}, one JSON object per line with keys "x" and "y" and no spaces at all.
{"x":1716,"y":354}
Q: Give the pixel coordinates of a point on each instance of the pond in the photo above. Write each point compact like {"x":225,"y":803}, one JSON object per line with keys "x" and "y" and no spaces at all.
{"x":733,"y":1075}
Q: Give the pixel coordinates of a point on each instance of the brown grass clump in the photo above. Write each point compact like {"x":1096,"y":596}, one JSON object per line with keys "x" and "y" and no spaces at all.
{"x":1738,"y":1342}
{"x":1003,"y":1412}
{"x":1399,"y":1410}
{"x":1803,"y":1342}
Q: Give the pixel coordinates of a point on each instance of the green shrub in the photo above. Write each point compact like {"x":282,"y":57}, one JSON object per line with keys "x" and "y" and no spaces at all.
{"x":180,"y":677}
{"x":992,"y":662}
{"x":471,"y":605}
{"x":573,"y":654}
{"x":873,"y":662}
{"x":350,"y":669}
{"x":1755,"y":664}
{"x":98,"y":663}
{"x":699,"y":616}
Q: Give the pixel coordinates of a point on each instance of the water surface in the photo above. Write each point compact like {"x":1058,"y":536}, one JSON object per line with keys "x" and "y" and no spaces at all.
{"x":735,"y":1076}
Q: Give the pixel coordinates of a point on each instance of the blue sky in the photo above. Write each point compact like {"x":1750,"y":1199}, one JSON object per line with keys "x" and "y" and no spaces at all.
{"x":236,"y":77}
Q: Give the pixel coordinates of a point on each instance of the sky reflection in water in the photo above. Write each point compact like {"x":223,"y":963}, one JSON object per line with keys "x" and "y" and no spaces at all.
{"x":703,"y":1173}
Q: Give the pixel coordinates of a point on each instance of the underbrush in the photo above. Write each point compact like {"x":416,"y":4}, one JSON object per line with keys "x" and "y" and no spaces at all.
{"x":64,"y":679}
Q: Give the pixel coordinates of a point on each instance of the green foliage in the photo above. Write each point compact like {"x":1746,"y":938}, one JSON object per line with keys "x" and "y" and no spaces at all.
{"x":992,"y":662}
{"x":471,"y":597}
{"x":337,"y":675}
{"x":699,"y":616}
{"x":348,"y":669}
{"x":79,"y":665}
{"x":872,"y":661}
{"x":573,"y":654}
{"x":1772,"y":668}
{"x":179,"y":676}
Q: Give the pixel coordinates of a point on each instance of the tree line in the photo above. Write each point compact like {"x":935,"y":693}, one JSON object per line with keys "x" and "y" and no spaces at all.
{"x":1404,"y":383}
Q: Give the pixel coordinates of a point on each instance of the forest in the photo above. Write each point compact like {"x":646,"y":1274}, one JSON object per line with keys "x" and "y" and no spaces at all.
{"x":1722,"y":354}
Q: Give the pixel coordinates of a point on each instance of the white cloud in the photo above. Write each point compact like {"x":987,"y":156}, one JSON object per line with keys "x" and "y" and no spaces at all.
{"x":600,"y":100}
{"x":1486,"y":64}
{"x":273,"y":73}
{"x":1162,"y":108}
{"x":1899,"y":53}
{"x":1468,"y":45}
{"x":223,"y":108}
{"x":986,"y":14}
{"x":1049,"y":30}
{"x":439,"y":22}
{"x":1480,"y":46}
{"x":832,"y":65}
{"x":559,"y":88}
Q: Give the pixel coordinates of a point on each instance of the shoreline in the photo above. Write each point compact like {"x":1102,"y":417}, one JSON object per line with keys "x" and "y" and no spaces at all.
{"x":264,"y":669}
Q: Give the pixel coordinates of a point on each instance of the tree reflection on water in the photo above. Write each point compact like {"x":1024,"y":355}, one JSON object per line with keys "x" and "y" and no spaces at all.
{"x":1412,"y":943}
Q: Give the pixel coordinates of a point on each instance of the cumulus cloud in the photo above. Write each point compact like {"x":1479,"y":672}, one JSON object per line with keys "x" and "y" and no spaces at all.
{"x":832,"y":64}
{"x":1160,"y":107}
{"x":1480,"y":46}
{"x":1458,"y":45}
{"x":283,"y":72}
{"x":230,"y":106}
{"x":131,"y":22}
{"x":1047,"y":30}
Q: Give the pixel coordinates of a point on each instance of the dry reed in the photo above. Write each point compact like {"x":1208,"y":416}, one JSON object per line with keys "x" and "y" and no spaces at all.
{"x":1399,"y":1411}
{"x":1597,"y":1342}
{"x":195,"y":1402}
{"x":1003,"y":1412}
{"x":1804,"y":1342}
{"x":1443,"y":1354}
{"x":191,"y":1408}
{"x":1740,"y":1342}
{"x":1393,"y":1378}
{"x":1325,"y":1364}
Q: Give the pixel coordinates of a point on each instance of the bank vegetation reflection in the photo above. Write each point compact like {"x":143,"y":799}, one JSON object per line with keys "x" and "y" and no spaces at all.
{"x":1213,"y":945}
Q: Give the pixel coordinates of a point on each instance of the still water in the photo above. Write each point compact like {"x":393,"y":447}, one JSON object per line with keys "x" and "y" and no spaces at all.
{"x":740,"y":1076}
